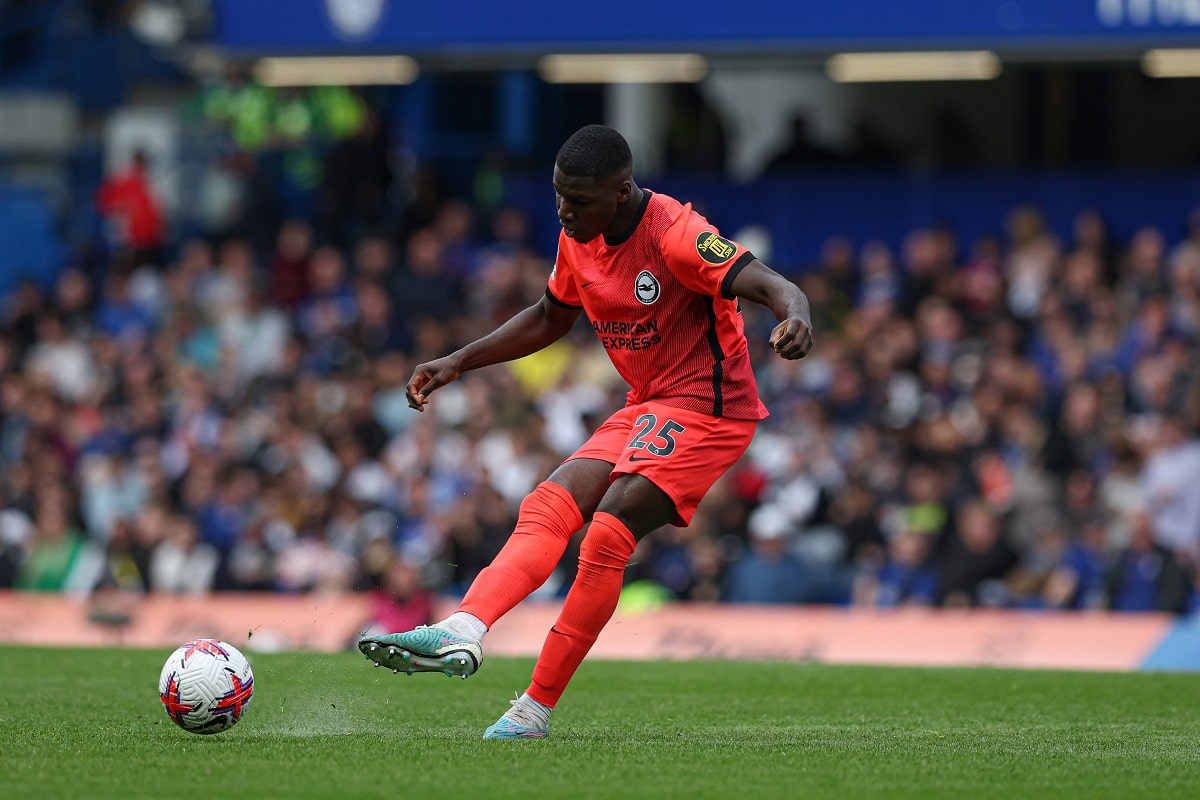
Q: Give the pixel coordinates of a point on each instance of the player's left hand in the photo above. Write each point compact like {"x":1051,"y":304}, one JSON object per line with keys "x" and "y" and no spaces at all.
{"x":792,"y":338}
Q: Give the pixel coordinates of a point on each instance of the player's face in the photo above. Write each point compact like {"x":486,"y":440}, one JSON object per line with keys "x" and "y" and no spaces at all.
{"x":587,"y":207}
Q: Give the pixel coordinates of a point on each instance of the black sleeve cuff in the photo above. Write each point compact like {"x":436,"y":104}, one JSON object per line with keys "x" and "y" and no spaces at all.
{"x":558,"y":302}
{"x":739,"y":265}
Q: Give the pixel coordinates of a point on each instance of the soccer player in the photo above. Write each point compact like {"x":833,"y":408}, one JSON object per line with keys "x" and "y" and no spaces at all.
{"x":660,"y":286}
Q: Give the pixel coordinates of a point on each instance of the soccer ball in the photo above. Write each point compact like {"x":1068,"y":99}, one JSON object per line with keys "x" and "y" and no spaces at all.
{"x":206,"y":686}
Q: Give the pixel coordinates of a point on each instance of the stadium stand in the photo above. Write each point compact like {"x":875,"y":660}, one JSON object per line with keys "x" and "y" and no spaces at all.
{"x":1001,"y":410}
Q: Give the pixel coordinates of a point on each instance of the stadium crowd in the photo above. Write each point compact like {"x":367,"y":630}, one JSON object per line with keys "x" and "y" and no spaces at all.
{"x":1006,"y":422}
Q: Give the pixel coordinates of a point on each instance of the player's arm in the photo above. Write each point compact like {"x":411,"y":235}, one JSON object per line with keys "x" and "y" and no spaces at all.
{"x":542,"y":324}
{"x":792,"y":337}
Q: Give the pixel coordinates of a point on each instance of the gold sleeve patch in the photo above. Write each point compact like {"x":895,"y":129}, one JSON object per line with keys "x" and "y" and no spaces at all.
{"x":714,"y":249}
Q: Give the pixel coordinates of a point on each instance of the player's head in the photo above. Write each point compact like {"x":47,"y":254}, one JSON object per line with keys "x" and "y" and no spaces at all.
{"x":594,"y":151}
{"x":593,"y":180}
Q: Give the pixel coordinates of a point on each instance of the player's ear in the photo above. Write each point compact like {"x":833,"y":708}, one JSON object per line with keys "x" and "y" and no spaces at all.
{"x":624,"y":190}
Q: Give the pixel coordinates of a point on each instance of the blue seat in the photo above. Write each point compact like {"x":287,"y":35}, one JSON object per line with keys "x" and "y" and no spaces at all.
{"x":30,"y":245}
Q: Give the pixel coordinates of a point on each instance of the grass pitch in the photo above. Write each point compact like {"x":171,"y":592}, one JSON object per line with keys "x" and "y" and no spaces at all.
{"x":88,"y":724}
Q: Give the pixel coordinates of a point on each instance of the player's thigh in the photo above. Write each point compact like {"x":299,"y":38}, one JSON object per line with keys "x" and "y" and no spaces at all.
{"x":682,"y":453}
{"x":588,"y":472}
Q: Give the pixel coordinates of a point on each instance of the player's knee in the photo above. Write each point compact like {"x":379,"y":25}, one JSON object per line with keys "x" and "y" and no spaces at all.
{"x":552,"y":507}
{"x":607,"y":543}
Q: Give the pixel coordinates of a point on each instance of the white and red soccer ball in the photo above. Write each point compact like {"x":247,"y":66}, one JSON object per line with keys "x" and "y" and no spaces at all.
{"x":206,"y":686}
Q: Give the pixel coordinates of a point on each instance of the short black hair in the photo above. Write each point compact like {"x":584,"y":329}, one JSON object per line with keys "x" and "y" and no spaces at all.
{"x":594,"y":151}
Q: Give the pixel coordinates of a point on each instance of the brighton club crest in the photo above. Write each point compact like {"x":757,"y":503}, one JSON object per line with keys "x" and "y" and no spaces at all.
{"x":646,"y":288}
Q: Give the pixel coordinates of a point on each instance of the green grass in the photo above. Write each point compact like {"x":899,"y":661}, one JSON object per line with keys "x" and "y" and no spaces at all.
{"x":88,"y":724}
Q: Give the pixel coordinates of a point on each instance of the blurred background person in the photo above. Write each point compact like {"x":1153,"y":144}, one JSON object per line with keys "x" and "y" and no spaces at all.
{"x":767,"y":572}
{"x":126,"y":199}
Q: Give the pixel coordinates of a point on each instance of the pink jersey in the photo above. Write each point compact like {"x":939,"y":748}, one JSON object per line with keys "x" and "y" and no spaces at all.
{"x":661,"y":302}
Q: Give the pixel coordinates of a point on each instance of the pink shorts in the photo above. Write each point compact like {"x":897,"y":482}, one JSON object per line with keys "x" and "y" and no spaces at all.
{"x":681,"y":452}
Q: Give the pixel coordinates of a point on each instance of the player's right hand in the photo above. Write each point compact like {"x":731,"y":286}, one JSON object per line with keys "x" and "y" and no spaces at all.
{"x":427,"y":378}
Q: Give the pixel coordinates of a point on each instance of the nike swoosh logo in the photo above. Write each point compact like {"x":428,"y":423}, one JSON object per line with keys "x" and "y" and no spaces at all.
{"x":635,"y":458}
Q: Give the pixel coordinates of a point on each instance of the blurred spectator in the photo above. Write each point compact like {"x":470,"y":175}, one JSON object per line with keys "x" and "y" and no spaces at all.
{"x":928,"y":267}
{"x":1185,"y":255}
{"x":253,"y":336}
{"x":837,"y":265}
{"x":906,"y":572}
{"x":181,"y":562}
{"x":1119,"y":491}
{"x":923,"y":509}
{"x":57,"y":558}
{"x":1033,"y":252}
{"x":16,"y":534}
{"x":476,"y":530}
{"x":454,"y":225}
{"x":1146,"y":576}
{"x":1141,"y":274}
{"x":1092,"y":236}
{"x":374,"y":259}
{"x":669,"y":561}
{"x":73,"y":301}
{"x":879,"y":284}
{"x":1170,"y":477}
{"x":329,"y":307}
{"x":1036,"y":565}
{"x":981,"y":283}
{"x":126,"y":199}
{"x":1145,"y":337}
{"x":852,"y":511}
{"x":1183,"y":279}
{"x":977,"y":560}
{"x":1079,"y":580}
{"x":376,"y":331}
{"x":1077,"y":439}
{"x":118,"y":315}
{"x":60,"y":360}
{"x":400,"y":601}
{"x":289,"y":263}
{"x":766,"y":572}
{"x":311,"y":563}
{"x":423,"y":288}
